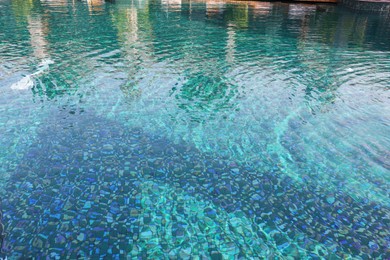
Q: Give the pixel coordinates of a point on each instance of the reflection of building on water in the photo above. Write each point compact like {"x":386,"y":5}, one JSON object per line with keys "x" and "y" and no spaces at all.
{"x":220,"y":6}
{"x":171,"y":4}
{"x":128,"y":21}
{"x":132,"y":17}
{"x":298,"y":11}
{"x":215,"y":7}
{"x":95,"y":5}
{"x":231,"y":44}
{"x":260,"y":8}
{"x":55,"y":2}
{"x":38,"y":30}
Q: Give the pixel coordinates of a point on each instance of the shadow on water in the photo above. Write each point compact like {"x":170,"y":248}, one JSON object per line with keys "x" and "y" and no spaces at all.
{"x":89,"y":186}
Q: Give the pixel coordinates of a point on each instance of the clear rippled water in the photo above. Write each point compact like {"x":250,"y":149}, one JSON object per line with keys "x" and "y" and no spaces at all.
{"x":191,"y":129}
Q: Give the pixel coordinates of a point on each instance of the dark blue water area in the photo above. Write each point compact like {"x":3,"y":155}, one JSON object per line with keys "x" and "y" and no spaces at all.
{"x":78,"y":193}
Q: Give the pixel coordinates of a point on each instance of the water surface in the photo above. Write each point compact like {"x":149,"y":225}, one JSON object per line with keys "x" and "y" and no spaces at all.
{"x":176,"y":129}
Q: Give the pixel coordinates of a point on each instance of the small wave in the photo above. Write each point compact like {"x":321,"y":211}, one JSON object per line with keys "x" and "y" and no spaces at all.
{"x":27,"y":82}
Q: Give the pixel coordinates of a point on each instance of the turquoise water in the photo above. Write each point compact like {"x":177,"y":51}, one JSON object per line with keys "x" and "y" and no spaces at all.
{"x":188,"y":130}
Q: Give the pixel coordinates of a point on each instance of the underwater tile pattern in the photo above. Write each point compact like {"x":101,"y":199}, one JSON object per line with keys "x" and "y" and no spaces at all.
{"x":90,"y":191}
{"x":193,"y":130}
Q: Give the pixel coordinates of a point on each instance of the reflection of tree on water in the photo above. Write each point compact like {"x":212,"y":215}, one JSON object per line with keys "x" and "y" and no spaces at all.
{"x":320,"y":83}
{"x":237,"y":14}
{"x":127,"y":24}
{"x":21,"y":8}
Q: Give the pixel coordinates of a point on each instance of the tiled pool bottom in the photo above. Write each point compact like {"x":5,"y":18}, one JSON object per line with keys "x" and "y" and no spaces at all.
{"x":97,"y":188}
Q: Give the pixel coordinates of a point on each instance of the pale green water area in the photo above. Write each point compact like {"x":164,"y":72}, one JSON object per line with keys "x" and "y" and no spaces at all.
{"x":193,"y":130}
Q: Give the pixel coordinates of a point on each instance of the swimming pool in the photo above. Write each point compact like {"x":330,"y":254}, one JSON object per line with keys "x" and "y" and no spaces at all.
{"x":193,"y":129}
